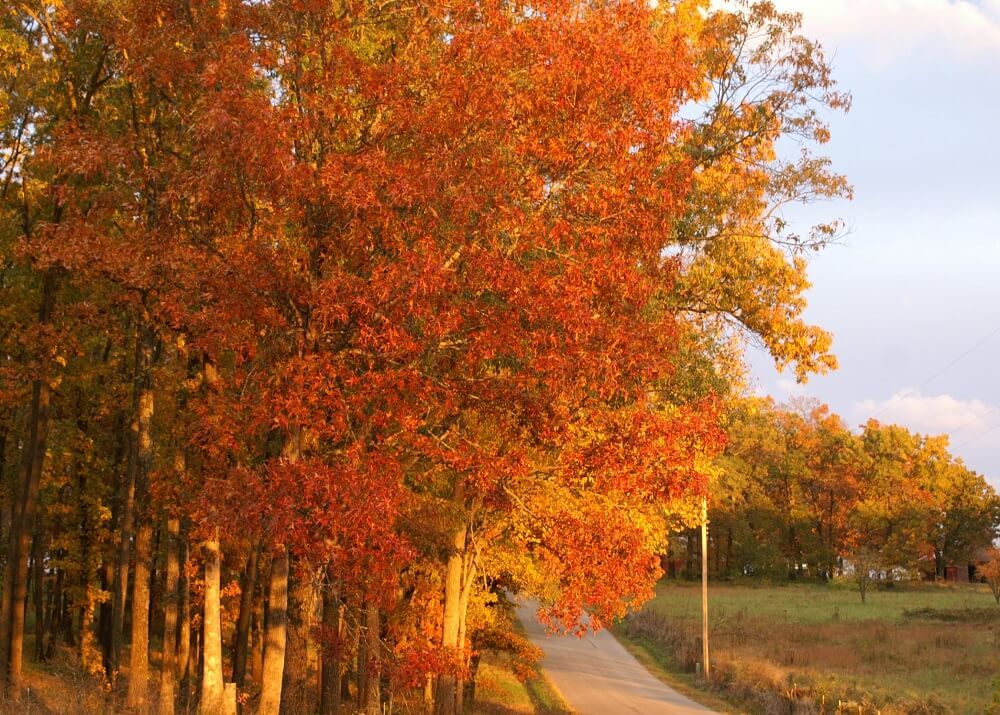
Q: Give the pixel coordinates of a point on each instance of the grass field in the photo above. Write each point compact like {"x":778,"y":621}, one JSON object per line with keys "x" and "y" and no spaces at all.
{"x":922,"y":648}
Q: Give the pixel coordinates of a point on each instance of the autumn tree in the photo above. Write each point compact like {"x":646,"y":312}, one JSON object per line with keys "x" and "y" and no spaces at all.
{"x":991,"y":572}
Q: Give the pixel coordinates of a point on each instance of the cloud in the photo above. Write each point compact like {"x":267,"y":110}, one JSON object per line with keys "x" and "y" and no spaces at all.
{"x":888,"y":31}
{"x":931,"y":414}
{"x":790,"y":387}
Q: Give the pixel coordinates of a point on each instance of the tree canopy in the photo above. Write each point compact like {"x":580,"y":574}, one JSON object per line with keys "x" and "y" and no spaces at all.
{"x":370,"y":315}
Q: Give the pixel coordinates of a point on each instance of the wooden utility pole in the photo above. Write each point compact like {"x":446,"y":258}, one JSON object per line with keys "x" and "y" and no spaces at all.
{"x":704,"y":584}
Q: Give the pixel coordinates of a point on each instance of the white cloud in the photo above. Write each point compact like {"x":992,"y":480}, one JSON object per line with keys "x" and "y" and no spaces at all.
{"x":790,"y":387}
{"x":892,"y":30}
{"x":931,"y":414}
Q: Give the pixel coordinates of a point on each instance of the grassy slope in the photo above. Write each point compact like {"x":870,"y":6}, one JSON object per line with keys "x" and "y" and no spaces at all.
{"x":826,"y":637}
{"x":499,"y":692}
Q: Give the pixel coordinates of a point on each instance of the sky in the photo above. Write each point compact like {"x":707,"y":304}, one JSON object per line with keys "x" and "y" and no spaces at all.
{"x":912,"y":294}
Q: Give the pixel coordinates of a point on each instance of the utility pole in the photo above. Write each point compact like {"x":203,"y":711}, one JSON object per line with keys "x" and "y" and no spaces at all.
{"x":704,"y":584}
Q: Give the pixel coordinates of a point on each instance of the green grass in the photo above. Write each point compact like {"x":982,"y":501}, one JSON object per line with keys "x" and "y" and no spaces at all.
{"x":921,"y":648}
{"x":816,"y":603}
{"x":499,"y":692}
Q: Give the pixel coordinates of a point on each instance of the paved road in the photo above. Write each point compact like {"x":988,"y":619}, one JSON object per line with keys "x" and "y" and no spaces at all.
{"x":597,"y":676}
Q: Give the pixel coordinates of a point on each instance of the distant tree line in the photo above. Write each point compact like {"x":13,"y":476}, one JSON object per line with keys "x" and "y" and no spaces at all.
{"x":797,"y":494}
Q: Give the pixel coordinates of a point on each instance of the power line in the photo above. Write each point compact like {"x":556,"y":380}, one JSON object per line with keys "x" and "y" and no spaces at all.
{"x":959,"y":358}
{"x":943,"y":370}
{"x":981,"y":434}
{"x":974,"y":420}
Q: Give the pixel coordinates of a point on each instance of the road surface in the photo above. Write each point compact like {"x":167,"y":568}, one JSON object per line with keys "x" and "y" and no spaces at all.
{"x":597,"y":676}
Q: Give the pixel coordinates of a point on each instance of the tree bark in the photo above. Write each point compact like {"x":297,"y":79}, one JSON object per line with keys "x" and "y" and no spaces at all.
{"x":211,"y":677}
{"x":330,"y":678}
{"x":447,"y":695}
{"x":126,"y":505}
{"x":468,"y":576}
{"x":38,"y":586}
{"x":372,"y":703}
{"x":184,"y":627}
{"x":138,"y":675}
{"x":23,"y":511}
{"x":296,"y":692}
{"x":138,"y":685}
{"x":275,"y":634}
{"x":108,"y":570}
{"x":168,"y":661}
{"x":257,"y":650}
{"x":53,"y":623}
{"x":242,"y":646}
{"x":22,"y":523}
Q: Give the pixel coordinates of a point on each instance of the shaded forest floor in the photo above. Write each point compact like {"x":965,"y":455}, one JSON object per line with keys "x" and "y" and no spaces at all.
{"x":60,"y":687}
{"x":921,"y":648}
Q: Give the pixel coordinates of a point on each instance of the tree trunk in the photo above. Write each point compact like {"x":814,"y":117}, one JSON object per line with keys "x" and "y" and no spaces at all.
{"x":352,"y":673}
{"x":168,"y":661}
{"x":330,"y":679}
{"x":447,"y":695}
{"x":15,"y":587}
{"x":38,"y":585}
{"x":104,"y":614}
{"x":275,"y":634}
{"x":126,"y":506}
{"x":184,"y":627}
{"x":468,"y":576}
{"x":138,"y":677}
{"x":242,"y":646}
{"x":296,"y":691}
{"x":371,"y":700}
{"x":257,"y":650}
{"x":22,"y":515}
{"x":211,"y":675}
{"x":53,"y":622}
{"x":729,"y":551}
{"x":5,"y":508}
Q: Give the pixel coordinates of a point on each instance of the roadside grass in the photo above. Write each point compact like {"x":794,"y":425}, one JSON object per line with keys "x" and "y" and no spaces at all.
{"x":918,"y":648}
{"x":654,"y":658}
{"x":499,"y":692}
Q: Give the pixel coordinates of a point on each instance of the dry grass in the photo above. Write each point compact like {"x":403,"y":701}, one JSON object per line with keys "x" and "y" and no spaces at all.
{"x":60,"y":687}
{"x":787,"y":649}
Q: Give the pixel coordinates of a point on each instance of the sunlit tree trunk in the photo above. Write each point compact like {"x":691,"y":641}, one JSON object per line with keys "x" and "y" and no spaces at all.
{"x":295,"y":690}
{"x":184,"y":627}
{"x":168,"y":661}
{"x":468,"y":576}
{"x":447,"y":694}
{"x":126,"y":502}
{"x":138,"y":677}
{"x":211,"y":676}
{"x":275,"y":630}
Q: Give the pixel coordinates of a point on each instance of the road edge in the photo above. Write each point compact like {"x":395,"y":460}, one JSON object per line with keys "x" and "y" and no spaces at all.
{"x":658,"y":669}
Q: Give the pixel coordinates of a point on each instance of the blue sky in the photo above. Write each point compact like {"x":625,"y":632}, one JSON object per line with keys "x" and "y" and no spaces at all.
{"x":916,"y":283}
